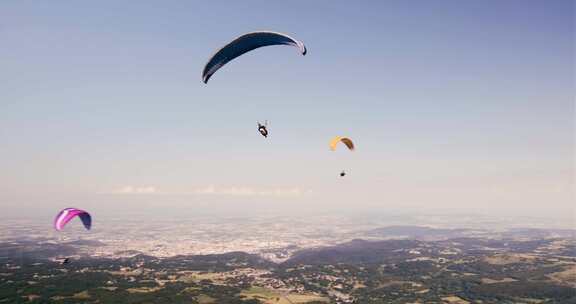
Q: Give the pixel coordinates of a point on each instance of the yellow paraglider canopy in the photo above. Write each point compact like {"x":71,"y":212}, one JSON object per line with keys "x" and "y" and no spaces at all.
{"x":347,"y":141}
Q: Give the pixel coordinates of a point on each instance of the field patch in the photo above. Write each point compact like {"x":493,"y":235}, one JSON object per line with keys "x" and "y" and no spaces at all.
{"x":504,"y":259}
{"x":269,"y":296}
{"x":566,"y":277}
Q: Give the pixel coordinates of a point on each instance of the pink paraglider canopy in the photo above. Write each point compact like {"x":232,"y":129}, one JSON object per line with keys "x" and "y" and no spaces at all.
{"x":68,"y":214}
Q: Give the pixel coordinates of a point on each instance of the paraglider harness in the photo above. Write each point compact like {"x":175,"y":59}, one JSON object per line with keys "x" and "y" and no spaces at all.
{"x":262,"y":128}
{"x":63,"y":261}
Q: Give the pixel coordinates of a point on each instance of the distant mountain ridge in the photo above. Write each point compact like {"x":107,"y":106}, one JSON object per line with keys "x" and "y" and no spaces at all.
{"x":431,"y":234}
{"x":419,"y":232}
{"x":355,"y":252}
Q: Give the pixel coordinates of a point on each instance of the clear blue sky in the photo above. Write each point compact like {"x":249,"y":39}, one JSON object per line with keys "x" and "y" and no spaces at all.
{"x":465,"y":104}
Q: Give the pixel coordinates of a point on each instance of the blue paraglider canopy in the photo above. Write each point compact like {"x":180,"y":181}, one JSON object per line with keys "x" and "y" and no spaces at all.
{"x":244,"y":44}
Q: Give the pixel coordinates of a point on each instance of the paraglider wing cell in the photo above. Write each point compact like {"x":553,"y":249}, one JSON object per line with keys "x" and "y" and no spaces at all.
{"x":68,"y":214}
{"x":244,"y":44}
{"x":347,"y":141}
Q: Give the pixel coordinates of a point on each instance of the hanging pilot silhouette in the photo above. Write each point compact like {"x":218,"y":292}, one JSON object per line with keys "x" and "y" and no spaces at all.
{"x":262,"y":128}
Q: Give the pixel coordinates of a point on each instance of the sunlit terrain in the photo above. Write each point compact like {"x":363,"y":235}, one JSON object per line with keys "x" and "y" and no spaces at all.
{"x":337,"y":259}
